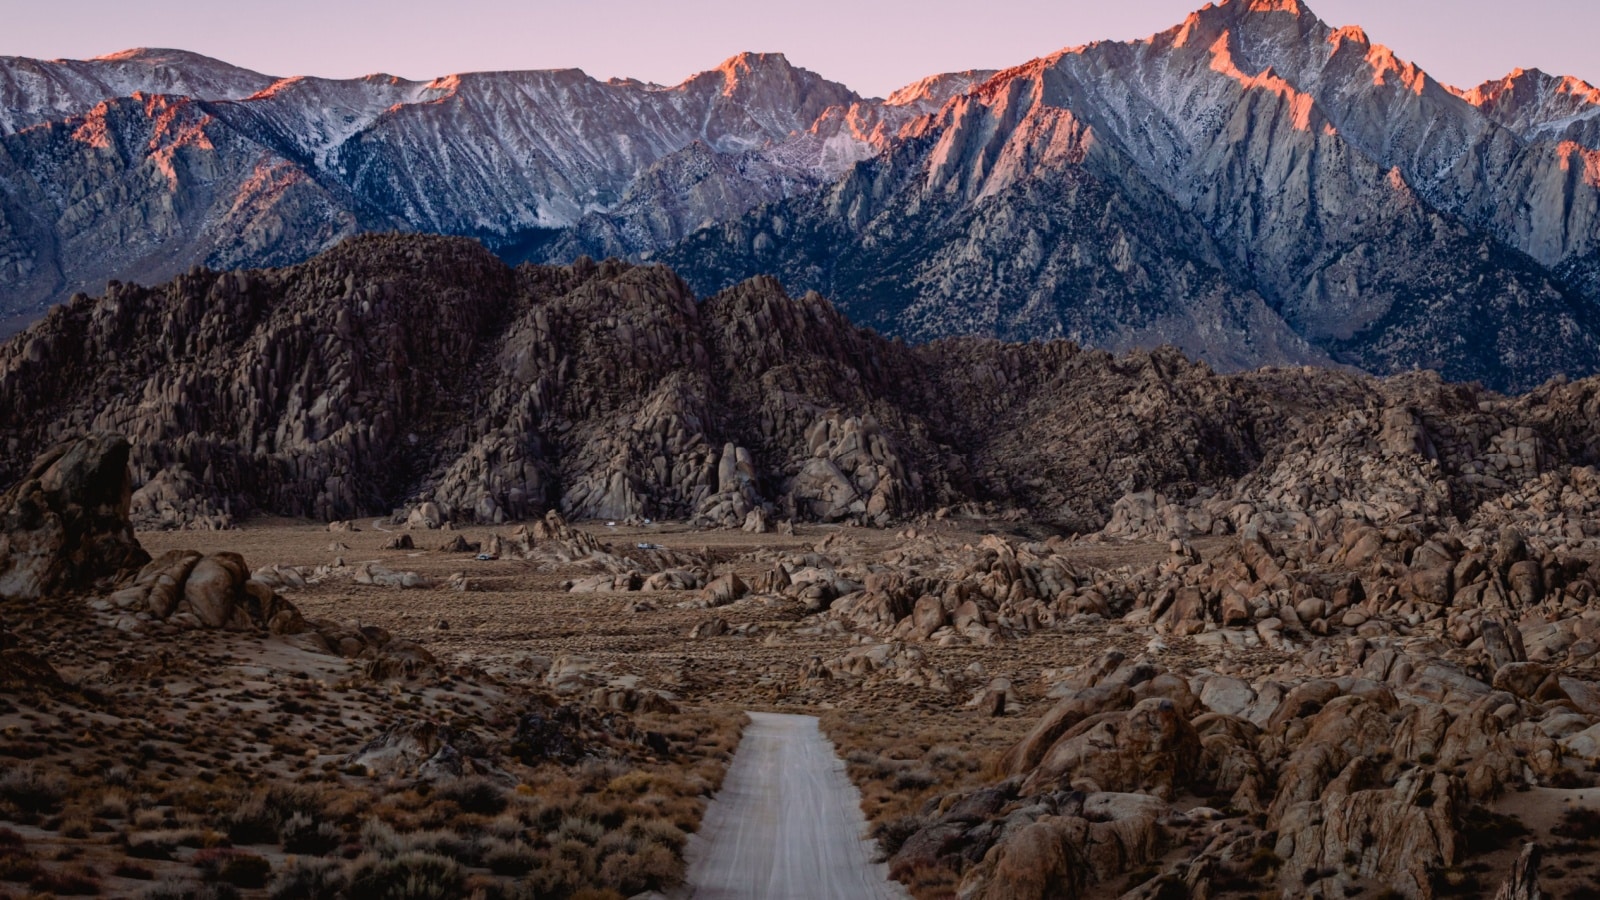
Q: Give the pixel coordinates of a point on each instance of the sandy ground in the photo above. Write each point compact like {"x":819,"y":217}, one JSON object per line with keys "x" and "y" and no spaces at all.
{"x":787,"y":824}
{"x":515,"y":619}
{"x":514,"y":609}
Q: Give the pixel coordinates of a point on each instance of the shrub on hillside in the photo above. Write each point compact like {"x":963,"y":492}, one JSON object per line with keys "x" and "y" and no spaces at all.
{"x":409,"y":876}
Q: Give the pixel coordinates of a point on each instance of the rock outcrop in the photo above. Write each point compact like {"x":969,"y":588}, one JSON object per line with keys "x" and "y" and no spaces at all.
{"x":215,"y":591}
{"x":67,"y":537}
{"x":606,"y":391}
{"x":64,"y":528}
{"x":1348,"y":703}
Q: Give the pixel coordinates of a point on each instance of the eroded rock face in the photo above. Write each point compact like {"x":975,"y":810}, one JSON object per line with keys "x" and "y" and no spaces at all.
{"x":1150,"y":748}
{"x":64,"y":528}
{"x":1372,"y":774}
{"x":1403,"y":834}
{"x":607,"y":391}
{"x":1523,"y":882}
{"x":1040,"y":861}
{"x":215,"y":591}
{"x":853,"y":474}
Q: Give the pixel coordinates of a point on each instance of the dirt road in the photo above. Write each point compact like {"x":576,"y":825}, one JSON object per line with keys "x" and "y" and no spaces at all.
{"x":787,"y":824}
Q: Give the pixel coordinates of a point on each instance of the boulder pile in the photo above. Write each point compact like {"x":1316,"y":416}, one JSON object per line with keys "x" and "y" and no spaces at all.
{"x":1366,"y":777}
{"x":67,"y":535}
{"x":1328,"y":712}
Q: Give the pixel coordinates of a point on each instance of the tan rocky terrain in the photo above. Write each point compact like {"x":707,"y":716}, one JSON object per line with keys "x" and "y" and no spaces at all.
{"x":174,"y":727}
{"x":1079,"y":625}
{"x":1142,"y":711}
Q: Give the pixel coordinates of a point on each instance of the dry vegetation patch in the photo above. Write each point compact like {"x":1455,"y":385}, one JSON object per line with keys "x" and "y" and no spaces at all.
{"x":908,"y":767}
{"x":192,"y":764}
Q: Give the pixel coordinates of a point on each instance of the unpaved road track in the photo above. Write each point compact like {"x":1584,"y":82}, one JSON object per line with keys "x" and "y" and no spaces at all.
{"x":787,"y":824}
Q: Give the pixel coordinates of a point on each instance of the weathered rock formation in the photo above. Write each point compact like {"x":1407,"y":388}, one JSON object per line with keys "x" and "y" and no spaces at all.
{"x":65,"y":527}
{"x":1404,"y":679}
{"x":214,"y":591}
{"x":1349,"y":782}
{"x":606,"y":391}
{"x":65,"y":535}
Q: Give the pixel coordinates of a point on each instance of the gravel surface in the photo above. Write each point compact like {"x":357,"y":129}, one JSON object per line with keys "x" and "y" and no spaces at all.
{"x":787,"y":823}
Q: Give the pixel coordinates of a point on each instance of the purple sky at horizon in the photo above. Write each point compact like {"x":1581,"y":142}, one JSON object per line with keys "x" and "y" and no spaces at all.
{"x":874,"y":47}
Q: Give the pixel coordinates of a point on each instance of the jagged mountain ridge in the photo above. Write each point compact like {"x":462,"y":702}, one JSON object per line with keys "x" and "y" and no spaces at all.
{"x":603,"y":390}
{"x":402,"y":370}
{"x":1377,"y":213}
{"x":1537,"y":105}
{"x":1254,"y":185}
{"x":36,"y":91}
{"x":136,"y":166}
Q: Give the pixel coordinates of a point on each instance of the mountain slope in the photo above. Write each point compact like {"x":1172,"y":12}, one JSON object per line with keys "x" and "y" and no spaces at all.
{"x":103,"y":175}
{"x":1346,"y":188}
{"x":139,"y":187}
{"x":1068,"y":254}
{"x":1254,"y":185}
{"x":398,"y":370}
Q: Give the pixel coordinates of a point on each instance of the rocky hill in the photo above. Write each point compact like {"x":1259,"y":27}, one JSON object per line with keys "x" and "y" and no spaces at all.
{"x":1254,"y":185}
{"x":396,"y":371}
{"x":1316,"y":632}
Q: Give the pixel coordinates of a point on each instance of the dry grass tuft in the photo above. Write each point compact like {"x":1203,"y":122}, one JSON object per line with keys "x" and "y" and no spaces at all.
{"x":904,"y":770}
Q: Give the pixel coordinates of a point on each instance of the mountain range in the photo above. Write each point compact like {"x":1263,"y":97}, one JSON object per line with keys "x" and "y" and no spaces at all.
{"x":1254,"y":186}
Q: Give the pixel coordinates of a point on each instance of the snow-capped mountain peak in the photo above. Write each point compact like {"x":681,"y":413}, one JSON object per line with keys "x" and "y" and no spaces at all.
{"x":33,"y":91}
{"x":927,"y":95}
{"x":1253,"y":182}
{"x":1538,"y":105}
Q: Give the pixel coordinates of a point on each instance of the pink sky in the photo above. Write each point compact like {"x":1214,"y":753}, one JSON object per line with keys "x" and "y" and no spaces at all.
{"x":873,"y":46}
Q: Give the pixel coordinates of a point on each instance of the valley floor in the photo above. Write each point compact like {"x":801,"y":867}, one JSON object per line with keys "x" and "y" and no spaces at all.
{"x":975,"y":729}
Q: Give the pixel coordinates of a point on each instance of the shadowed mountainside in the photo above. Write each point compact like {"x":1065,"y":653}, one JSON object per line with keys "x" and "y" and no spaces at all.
{"x":398,"y":370}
